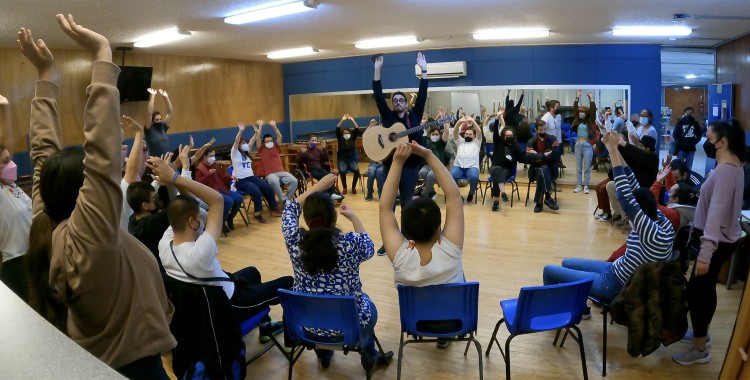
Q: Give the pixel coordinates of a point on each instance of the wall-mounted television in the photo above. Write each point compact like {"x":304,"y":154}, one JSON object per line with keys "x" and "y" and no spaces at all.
{"x":133,"y":82}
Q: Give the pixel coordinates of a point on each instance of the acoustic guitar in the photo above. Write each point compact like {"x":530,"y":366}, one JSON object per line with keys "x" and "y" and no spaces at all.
{"x":379,"y":142}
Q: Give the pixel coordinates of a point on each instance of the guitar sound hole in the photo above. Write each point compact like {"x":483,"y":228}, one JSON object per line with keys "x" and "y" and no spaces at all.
{"x":393,"y":137}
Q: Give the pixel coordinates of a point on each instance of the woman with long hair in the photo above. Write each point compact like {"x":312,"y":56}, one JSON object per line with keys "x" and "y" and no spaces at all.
{"x":326,"y":260}
{"x":588,"y":136}
{"x":90,"y":278}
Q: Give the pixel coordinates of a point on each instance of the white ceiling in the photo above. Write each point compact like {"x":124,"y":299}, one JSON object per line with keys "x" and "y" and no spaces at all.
{"x":337,"y":24}
{"x":678,"y":62}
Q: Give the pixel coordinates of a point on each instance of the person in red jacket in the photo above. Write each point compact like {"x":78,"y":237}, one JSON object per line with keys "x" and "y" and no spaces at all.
{"x":211,"y":175}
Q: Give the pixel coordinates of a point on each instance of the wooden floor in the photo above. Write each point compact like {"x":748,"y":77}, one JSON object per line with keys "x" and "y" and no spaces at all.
{"x":503,"y":251}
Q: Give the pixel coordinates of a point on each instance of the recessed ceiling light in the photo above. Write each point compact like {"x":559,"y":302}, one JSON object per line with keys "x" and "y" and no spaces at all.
{"x":691,"y":76}
{"x":387,"y":42}
{"x":686,"y":87}
{"x":652,"y":31}
{"x":289,"y":53}
{"x":273,"y":10}
{"x":162,"y":37}
{"x":505,"y":34}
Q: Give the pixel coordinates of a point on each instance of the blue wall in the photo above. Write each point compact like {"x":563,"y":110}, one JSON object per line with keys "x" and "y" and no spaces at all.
{"x":636,"y":65}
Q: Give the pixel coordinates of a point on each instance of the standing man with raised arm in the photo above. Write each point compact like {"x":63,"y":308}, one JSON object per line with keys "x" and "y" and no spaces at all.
{"x":156,"y":131}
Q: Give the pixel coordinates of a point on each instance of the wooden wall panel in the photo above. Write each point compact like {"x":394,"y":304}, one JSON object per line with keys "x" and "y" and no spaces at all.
{"x":316,"y":107}
{"x":206,"y":92}
{"x":678,"y":99}
{"x":733,"y":66}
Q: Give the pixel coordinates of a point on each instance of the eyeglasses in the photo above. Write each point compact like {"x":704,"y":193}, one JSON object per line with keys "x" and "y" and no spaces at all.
{"x":399,"y":100}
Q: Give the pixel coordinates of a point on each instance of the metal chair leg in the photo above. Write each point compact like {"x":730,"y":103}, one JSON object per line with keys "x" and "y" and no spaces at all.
{"x":494,"y":338}
{"x":400,"y":356}
{"x":583,"y":352}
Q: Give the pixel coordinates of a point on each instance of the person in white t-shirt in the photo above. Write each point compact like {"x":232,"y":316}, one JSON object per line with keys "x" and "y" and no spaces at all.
{"x":466,"y":163}
{"x":246,"y":182}
{"x":553,"y":120}
{"x":15,"y":214}
{"x":645,"y":127}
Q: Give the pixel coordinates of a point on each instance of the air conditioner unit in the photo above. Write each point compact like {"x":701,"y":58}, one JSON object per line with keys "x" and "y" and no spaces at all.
{"x":443,"y":70}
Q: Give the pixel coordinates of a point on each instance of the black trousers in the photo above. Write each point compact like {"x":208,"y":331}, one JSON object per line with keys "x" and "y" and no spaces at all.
{"x":148,"y":368}
{"x":701,"y":290}
{"x":251,"y":295}
{"x":543,"y":177}
{"x":499,"y":175}
{"x":13,"y":275}
{"x":319,"y":173}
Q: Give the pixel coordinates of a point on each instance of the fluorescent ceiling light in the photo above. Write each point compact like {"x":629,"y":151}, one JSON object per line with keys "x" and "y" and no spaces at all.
{"x":387,"y":42}
{"x":265,"y":12}
{"x":507,"y":34}
{"x":691,"y":76}
{"x":686,"y":87}
{"x":655,"y":31}
{"x":288,"y":53}
{"x":162,"y":37}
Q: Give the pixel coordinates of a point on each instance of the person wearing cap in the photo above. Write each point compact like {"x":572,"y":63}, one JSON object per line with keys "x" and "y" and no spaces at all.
{"x":587,"y":138}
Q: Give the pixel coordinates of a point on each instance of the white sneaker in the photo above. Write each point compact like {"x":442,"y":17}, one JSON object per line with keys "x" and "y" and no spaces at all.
{"x":692,"y":356}
{"x":690,"y":337}
{"x":585,"y":189}
{"x":336,"y":197}
{"x":577,"y":189}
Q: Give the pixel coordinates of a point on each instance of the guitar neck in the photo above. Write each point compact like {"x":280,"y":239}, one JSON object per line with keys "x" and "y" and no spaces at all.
{"x":419,"y":128}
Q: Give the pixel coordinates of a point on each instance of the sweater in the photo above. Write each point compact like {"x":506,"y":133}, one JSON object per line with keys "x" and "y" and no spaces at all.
{"x":687,"y":134}
{"x":312,"y":158}
{"x":719,"y":207}
{"x":117,"y":306}
{"x":411,"y":118}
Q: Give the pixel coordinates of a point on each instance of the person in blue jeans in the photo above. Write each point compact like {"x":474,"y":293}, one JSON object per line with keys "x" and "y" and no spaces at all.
{"x":246,"y":182}
{"x":374,"y":172}
{"x":466,"y":163}
{"x":348,"y":159}
{"x":649,"y":241}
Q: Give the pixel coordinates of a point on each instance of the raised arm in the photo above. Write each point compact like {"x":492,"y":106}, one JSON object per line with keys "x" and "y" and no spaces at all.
{"x":419,"y":104}
{"x":133,"y":167}
{"x":200,"y":152}
{"x":477,"y":129}
{"x":377,"y":89}
{"x":279,"y":138}
{"x":170,"y":110}
{"x":150,"y":107}
{"x":389,"y":230}
{"x":257,"y":128}
{"x":240,"y":129}
{"x":6,"y":132}
{"x":446,"y":129}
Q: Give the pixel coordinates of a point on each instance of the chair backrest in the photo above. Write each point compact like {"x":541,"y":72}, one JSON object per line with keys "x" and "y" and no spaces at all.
{"x":548,"y":307}
{"x":457,"y":303}
{"x":230,"y":169}
{"x":512,"y":176}
{"x":322,"y":312}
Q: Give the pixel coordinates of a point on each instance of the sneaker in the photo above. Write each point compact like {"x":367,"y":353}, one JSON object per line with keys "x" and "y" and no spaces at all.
{"x":381,"y":250}
{"x":692,"y":356}
{"x":577,"y":189}
{"x":495,"y":205}
{"x":616,"y":218}
{"x":538,"y":208}
{"x":260,"y":218}
{"x":621,"y":222}
{"x":599,"y":215}
{"x":505,"y":197}
{"x":269,"y":329}
{"x":230,"y":224}
{"x":337,"y":197}
{"x":354,"y":191}
{"x":470,"y":198}
{"x":368,"y":197}
{"x":443,"y":344}
{"x":689,"y":337}
{"x":224,"y":229}
{"x":551,"y":204}
{"x":605,"y":218}
{"x":344,"y":191}
{"x":585,"y":189}
{"x":586,"y":313}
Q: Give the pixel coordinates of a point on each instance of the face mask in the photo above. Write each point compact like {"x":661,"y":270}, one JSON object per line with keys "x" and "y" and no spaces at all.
{"x":201,"y":228}
{"x":643,"y":121}
{"x":710,"y":149}
{"x":211,"y":160}
{"x":269,"y":144}
{"x":556,"y":111}
{"x":10,"y":172}
{"x":245,"y":147}
{"x":541,"y":135}
{"x":313,"y":145}
{"x":347,"y":136}
{"x":508,"y":140}
{"x":581,"y":115}
{"x":468,"y":139}
{"x":434,"y":138}
{"x":158,"y":124}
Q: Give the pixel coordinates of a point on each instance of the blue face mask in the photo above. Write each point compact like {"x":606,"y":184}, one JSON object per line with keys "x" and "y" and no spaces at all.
{"x":313,"y":145}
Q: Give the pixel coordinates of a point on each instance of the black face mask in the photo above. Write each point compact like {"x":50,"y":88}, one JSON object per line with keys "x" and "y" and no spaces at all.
{"x":710,"y":149}
{"x":541,"y":135}
{"x":509,"y":140}
{"x":159,"y":124}
{"x":468,"y":139}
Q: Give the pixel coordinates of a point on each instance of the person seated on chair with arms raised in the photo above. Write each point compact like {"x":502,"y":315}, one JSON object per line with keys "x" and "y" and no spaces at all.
{"x":649,"y":241}
{"x":272,"y":167}
{"x":189,"y":252}
{"x":326,"y":260}
{"x":437,"y":143}
{"x":347,"y":152}
{"x":504,"y":160}
{"x":543,"y":155}
{"x":466,"y":164}
{"x":246,"y":181}
{"x":211,"y":175}
{"x":314,"y":158}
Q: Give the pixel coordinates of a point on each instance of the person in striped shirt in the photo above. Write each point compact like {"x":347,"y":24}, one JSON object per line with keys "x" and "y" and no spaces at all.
{"x":650,"y":240}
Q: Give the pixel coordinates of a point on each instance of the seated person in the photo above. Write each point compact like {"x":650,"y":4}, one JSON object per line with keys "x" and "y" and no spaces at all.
{"x":347,"y":153}
{"x":641,"y":157}
{"x":270,"y":160}
{"x":466,"y":164}
{"x":504,"y":161}
{"x":374,"y":172}
{"x":326,"y":260}
{"x":246,"y":182}
{"x":681,"y":173}
{"x":422,"y":253}
{"x":436,"y":143}
{"x":189,"y":252}
{"x":543,"y":156}
{"x":649,"y":241}
{"x":314,"y":159}
{"x":211,"y":175}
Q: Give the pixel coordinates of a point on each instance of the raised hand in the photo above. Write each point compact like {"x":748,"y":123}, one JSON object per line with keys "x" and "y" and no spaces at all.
{"x":663,"y":173}
{"x":36,"y":52}
{"x":4,"y":101}
{"x":325,"y":183}
{"x":259,"y":123}
{"x":379,"y":63}
{"x":162,"y":172}
{"x":241,"y":126}
{"x":88,"y":39}
{"x":611,"y":141}
{"x":590,"y":94}
{"x":210,"y":142}
{"x":151,"y":91}
{"x":345,"y":117}
{"x":421,"y":61}
{"x":167,"y":157}
{"x":579,"y":93}
{"x":192,"y":143}
{"x":272,"y":123}
{"x":184,"y":155}
{"x":403,"y":152}
{"x":163,"y":93}
{"x":665,"y":163}
{"x":419,"y":150}
{"x":132,"y":124}
{"x":346,"y":211}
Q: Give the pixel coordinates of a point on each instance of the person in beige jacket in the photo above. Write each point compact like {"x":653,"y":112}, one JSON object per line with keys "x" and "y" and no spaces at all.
{"x":89,"y":277}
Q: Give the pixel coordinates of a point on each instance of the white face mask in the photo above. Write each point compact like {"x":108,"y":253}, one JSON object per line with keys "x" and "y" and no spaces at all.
{"x":269,"y":144}
{"x":434,"y":138}
{"x":643,"y":121}
{"x":211,"y":160}
{"x":347,"y":136}
{"x":581,"y":115}
{"x":245,"y":147}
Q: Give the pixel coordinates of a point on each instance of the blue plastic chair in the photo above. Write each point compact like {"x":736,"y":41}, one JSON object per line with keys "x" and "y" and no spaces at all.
{"x":544,"y":308}
{"x":454,"y":306}
{"x":513,"y":186}
{"x":244,"y":210}
{"x":489,"y":148}
{"x":325,"y":312}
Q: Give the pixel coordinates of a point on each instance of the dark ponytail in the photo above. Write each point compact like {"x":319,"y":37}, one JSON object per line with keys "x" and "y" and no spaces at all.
{"x":318,"y":252}
{"x":38,"y":260}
